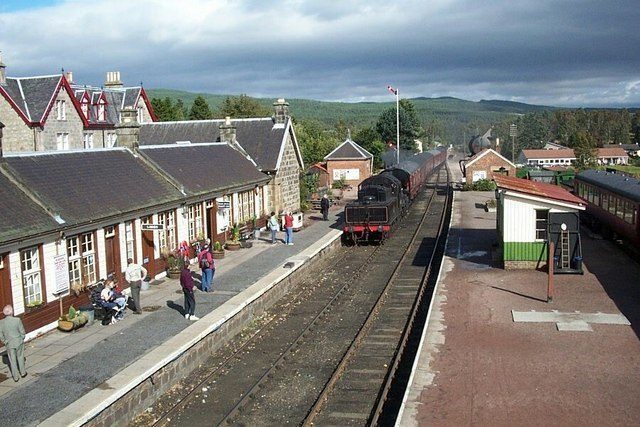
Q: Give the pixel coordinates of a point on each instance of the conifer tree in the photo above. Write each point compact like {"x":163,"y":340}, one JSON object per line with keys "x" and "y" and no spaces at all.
{"x":200,"y":109}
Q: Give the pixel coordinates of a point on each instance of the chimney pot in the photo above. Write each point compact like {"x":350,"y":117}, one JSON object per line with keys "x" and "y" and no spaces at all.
{"x":69,"y":76}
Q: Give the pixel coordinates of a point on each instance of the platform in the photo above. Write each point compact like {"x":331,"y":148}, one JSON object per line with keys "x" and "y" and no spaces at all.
{"x":73,"y":376}
{"x":572,"y":362}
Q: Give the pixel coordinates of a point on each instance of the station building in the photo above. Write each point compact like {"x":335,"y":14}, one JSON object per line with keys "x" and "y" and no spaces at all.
{"x":530,"y":215}
{"x":349,"y":162}
{"x":486,"y":164}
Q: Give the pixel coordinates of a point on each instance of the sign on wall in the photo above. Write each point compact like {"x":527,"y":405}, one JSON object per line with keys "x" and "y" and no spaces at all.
{"x":478,"y":175}
{"x":151,"y":227}
{"x":224,"y":205}
{"x":346,"y":174}
{"x":62,"y":273}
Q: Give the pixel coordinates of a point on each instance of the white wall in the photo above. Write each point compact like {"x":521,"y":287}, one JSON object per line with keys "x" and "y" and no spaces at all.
{"x":520,"y":218}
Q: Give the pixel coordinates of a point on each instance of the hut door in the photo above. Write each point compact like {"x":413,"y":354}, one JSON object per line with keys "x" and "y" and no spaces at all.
{"x":112,"y":246}
{"x":5,"y":283}
{"x":212,"y":223}
{"x":148,"y":248}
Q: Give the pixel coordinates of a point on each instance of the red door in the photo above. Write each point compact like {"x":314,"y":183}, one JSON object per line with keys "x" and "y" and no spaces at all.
{"x":148,"y":247}
{"x":5,"y":283}
{"x":112,"y":245}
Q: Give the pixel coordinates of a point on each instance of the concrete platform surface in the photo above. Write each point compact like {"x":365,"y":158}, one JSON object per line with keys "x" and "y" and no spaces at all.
{"x":72,"y":374}
{"x":479,"y":367}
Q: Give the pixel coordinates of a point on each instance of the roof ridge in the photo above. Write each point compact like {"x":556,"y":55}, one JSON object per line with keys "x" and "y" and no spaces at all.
{"x":35,"y":77}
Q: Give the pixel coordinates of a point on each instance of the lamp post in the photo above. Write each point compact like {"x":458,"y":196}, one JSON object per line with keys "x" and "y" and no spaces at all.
{"x":395,"y":92}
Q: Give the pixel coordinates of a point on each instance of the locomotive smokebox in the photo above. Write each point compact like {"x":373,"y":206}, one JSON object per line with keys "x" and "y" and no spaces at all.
{"x":480,"y":142}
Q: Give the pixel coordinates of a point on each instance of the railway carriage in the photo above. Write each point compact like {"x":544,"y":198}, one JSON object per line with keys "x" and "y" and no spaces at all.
{"x":613,"y":204}
{"x":384,"y":198}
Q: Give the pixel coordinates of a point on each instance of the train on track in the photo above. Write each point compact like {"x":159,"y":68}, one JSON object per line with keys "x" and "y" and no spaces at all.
{"x":613,"y":204}
{"x":383,"y":199}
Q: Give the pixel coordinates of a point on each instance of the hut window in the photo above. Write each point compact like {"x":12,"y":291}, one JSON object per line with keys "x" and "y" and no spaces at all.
{"x":542,"y":218}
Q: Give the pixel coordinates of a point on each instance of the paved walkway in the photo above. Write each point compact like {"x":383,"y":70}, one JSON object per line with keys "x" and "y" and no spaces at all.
{"x":481,"y":365}
{"x":64,"y":366}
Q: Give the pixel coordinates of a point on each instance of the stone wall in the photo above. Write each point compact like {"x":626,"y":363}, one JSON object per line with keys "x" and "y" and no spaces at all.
{"x":286,"y":185}
{"x":17,"y":135}
{"x":72,"y":125}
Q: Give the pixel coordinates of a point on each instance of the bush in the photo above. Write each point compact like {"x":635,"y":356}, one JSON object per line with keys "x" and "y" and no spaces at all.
{"x":339,"y":184}
{"x":480,"y":185}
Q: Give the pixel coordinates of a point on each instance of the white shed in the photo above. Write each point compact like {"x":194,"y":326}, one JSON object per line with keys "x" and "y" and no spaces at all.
{"x":530,"y":215}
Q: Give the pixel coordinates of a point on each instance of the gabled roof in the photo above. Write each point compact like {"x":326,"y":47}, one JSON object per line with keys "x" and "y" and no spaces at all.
{"x":85,"y":185}
{"x":612,"y":152}
{"x":348,"y":150}
{"x":321,"y":166}
{"x":539,"y":189}
{"x":215,"y":167}
{"x":486,"y":152}
{"x":19,"y":215}
{"x":625,"y":186}
{"x":33,"y":96}
{"x":259,"y":137}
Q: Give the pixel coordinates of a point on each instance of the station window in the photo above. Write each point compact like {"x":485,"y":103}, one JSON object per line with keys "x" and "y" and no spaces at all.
{"x":31,"y":275}
{"x":130,"y":239}
{"x":167,"y":236}
{"x":82,"y":260}
{"x":542,"y":219}
{"x":194,"y":220}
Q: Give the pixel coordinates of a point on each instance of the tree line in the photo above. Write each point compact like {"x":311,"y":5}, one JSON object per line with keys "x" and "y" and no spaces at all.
{"x":241,"y":106}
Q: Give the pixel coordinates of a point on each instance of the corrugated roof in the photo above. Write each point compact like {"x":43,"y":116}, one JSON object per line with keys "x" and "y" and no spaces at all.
{"x":619,"y":184}
{"x":205,"y":168}
{"x":86,"y":185}
{"x":534,"y":188}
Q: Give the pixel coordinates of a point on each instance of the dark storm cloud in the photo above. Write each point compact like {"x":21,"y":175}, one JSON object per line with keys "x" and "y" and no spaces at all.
{"x":552,"y":52}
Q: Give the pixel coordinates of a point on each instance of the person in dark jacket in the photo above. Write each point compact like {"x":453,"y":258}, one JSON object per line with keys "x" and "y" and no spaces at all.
{"x":186,"y":281}
{"x":12,"y":335}
{"x":324,"y":207}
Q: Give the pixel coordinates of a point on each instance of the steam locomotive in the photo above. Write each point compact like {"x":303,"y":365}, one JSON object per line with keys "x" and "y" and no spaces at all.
{"x":383,"y":199}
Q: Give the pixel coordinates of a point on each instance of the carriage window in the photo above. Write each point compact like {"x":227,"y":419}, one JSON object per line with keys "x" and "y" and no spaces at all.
{"x":542,"y":216}
{"x":612,"y":205}
{"x":629,"y":212}
{"x":620,"y":208}
{"x":604,"y":201}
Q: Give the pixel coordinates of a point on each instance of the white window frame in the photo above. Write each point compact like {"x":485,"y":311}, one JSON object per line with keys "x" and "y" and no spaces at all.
{"x":545,"y":221}
{"x":81,"y":254}
{"x":195,"y":224}
{"x":84,"y":106}
{"x":130,"y":241}
{"x":112,"y":138}
{"x":62,"y":141}
{"x":31,"y":275}
{"x":87,"y":138}
{"x":140,"y":115}
{"x":167,"y":236}
{"x":101,"y":113}
{"x":61,"y":109}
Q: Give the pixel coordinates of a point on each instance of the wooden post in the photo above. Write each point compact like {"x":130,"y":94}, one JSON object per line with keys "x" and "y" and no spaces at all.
{"x":550,"y":277}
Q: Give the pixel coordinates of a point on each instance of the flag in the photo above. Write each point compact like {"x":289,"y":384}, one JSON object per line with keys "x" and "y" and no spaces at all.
{"x":392,"y":90}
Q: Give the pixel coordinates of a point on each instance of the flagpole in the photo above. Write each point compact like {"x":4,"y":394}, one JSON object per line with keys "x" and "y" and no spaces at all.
{"x":397,"y":127}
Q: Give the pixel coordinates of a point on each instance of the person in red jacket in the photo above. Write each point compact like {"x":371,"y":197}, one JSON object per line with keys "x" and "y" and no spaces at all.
{"x":186,"y":281}
{"x":288,"y":225}
{"x":205,"y":259}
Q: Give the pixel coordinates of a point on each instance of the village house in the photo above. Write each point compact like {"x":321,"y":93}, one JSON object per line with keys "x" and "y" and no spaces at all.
{"x":486,"y":165}
{"x":566,"y":156}
{"x":350,"y":163}
{"x":269,"y":142}
{"x":53,"y":113}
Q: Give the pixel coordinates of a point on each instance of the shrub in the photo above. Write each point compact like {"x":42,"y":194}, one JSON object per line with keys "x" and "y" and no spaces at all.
{"x":339,"y":184}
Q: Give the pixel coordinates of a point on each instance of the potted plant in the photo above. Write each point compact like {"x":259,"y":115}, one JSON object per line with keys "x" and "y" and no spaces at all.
{"x":174,"y":265}
{"x":234,"y":243}
{"x":218,"y":251}
{"x":72,"y":320}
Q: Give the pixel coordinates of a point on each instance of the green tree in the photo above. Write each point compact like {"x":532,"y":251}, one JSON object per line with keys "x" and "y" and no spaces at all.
{"x":409,"y":126}
{"x":242,"y":106}
{"x":369,"y":139}
{"x":584,"y":148}
{"x":200,"y":109}
{"x":635,"y":127}
{"x":180,"y":111}
{"x":315,"y":142}
{"x":163,"y":108}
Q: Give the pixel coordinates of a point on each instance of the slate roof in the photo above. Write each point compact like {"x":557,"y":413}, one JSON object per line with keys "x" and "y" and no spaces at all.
{"x":534,"y":188}
{"x":85,"y":185}
{"x":619,"y":184}
{"x":19,"y":215}
{"x":37,"y":91}
{"x":205,"y":168}
{"x":260,"y":138}
{"x":486,"y":152}
{"x":348,"y":150}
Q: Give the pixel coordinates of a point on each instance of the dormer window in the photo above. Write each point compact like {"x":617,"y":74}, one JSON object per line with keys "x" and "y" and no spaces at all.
{"x":140,"y":115}
{"x":101,"y":110}
{"x":61,"y":110}
{"x":85,"y":109}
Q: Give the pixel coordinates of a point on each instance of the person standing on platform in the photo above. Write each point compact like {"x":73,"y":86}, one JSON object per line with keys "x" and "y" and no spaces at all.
{"x":186,"y":281}
{"x":205,"y":260}
{"x":273,"y":226}
{"x":288,"y":226}
{"x":324,"y":207}
{"x":12,"y":335}
{"x":134,"y":275}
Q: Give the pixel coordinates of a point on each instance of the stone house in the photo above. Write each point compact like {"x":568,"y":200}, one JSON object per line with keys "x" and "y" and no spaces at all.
{"x":269,"y":142}
{"x":349,"y":162}
{"x":486,"y":165}
{"x":45,"y":113}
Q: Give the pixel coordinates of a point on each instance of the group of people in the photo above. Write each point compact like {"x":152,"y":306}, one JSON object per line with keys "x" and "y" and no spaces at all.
{"x":112,"y":297}
{"x":274,"y":225}
{"x":207,"y":268}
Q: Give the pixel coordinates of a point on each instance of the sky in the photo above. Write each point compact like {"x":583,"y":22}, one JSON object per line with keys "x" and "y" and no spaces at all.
{"x":570,"y":53}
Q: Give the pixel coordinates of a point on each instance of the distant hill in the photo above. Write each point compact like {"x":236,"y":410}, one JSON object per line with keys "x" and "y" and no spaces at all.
{"x":459,"y":118}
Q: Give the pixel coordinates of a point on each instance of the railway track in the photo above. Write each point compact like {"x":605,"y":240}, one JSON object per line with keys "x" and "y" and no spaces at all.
{"x":306,"y":356}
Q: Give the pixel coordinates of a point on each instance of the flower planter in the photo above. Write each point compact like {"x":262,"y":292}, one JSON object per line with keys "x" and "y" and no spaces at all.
{"x":232,"y":246}
{"x":217,"y":254}
{"x":173,"y":274}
